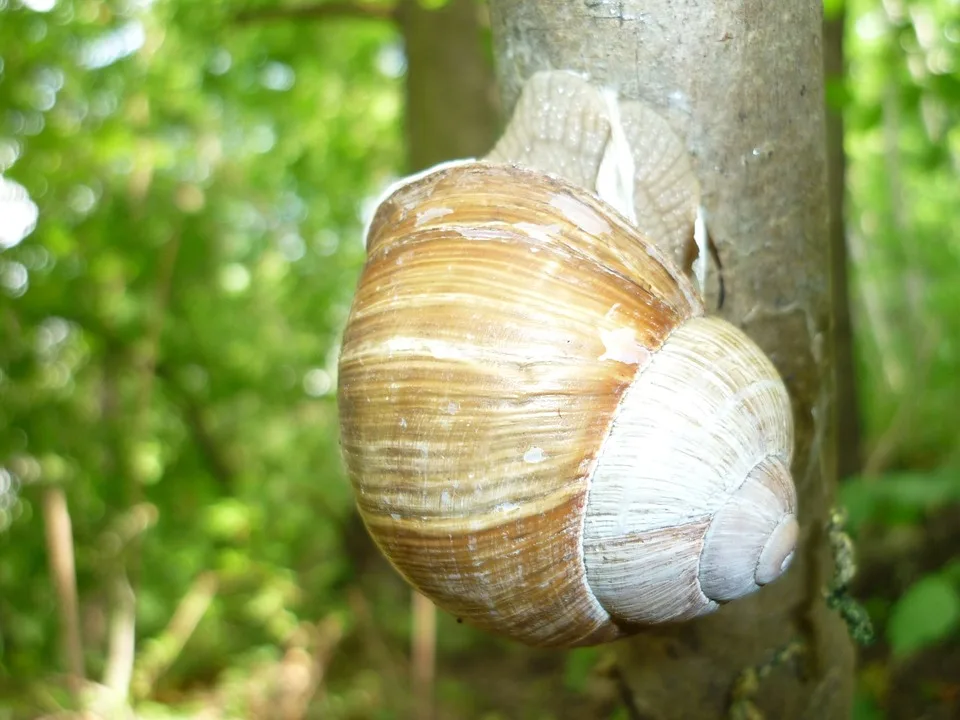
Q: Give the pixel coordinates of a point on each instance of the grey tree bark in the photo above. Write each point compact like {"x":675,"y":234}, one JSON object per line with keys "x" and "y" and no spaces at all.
{"x":743,"y":83}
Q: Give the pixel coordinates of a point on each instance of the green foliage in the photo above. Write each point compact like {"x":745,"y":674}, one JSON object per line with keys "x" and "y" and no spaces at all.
{"x":901,"y":104}
{"x":865,"y":708}
{"x":833,"y":9}
{"x":899,"y":498}
{"x":902,"y":122}
{"x":168,"y":333}
{"x":580,"y":664}
{"x":927,"y":613}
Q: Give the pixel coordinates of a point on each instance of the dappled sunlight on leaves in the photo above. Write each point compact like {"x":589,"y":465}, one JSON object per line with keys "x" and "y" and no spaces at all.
{"x":174,"y":192}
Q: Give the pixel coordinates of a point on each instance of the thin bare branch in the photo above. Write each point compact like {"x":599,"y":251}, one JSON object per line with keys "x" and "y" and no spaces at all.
{"x":59,"y":531}
{"x":385,"y":660}
{"x":423,"y":652}
{"x":318,"y":11}
{"x":123,"y":638}
{"x":329,"y":633}
{"x":119,"y":670}
{"x":297,"y":678}
{"x":163,"y":652}
{"x":117,"y":540}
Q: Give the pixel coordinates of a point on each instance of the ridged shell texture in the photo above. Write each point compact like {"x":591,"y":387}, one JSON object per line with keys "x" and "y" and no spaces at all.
{"x":545,"y":434}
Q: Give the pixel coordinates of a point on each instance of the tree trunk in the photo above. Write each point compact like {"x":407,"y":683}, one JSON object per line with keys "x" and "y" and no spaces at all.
{"x":743,"y":83}
{"x":451,"y":90}
{"x":849,"y":460}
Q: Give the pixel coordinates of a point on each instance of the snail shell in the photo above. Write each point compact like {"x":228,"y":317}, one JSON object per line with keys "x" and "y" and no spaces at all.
{"x":545,"y":434}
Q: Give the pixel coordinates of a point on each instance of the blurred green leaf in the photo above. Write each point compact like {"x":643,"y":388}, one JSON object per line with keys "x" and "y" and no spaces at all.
{"x":866,"y":708}
{"x":836,"y":93}
{"x":578,"y":667}
{"x":927,"y":613}
{"x":833,"y":9}
{"x":951,"y":572}
{"x":229,"y":519}
{"x":898,"y":498}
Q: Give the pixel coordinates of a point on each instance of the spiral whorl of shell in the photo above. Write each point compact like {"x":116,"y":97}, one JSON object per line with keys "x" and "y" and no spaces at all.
{"x":692,"y":504}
